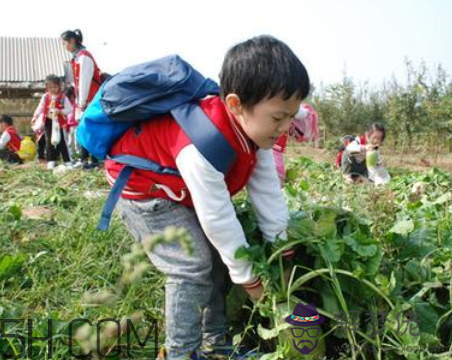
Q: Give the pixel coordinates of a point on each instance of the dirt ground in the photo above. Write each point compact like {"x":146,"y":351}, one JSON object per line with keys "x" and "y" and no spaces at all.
{"x":412,"y":162}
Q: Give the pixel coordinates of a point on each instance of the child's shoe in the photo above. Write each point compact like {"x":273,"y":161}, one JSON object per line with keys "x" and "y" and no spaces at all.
{"x":50,"y":165}
{"x":90,"y":166}
{"x":78,"y":164}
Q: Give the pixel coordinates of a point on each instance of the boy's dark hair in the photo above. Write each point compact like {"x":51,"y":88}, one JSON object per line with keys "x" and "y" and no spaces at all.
{"x":53,"y":79}
{"x":73,"y":34}
{"x":69,"y":91}
{"x":377,"y":127}
{"x":6,"y":119}
{"x":261,"y":68}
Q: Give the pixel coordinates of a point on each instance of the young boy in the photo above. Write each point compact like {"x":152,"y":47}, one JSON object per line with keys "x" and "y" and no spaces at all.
{"x":263,"y":84}
{"x":9,"y":141}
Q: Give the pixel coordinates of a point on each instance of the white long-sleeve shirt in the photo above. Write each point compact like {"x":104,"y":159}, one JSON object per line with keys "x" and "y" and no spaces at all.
{"x":86,"y":77}
{"x":4,"y":140}
{"x":40,"y":109}
{"x":216,"y":214}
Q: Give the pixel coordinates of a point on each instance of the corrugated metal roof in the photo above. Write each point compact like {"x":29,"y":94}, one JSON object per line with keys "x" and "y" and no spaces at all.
{"x":31,"y":59}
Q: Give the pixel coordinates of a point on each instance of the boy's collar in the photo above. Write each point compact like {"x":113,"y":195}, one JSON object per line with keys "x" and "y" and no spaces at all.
{"x":239,"y":128}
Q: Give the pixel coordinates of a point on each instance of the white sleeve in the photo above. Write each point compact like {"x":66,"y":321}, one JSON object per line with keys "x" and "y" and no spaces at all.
{"x":86,"y":77}
{"x":267,"y":197}
{"x":354,"y":147}
{"x":216,"y":214}
{"x":40,"y":109}
{"x":4,"y":139}
{"x":67,"y":106}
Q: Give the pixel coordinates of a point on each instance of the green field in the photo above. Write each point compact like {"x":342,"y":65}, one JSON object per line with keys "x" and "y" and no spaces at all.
{"x":360,"y":250}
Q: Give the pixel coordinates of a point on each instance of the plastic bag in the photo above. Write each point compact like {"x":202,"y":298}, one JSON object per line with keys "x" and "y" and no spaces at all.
{"x":56,"y":133}
{"x":27,"y":149}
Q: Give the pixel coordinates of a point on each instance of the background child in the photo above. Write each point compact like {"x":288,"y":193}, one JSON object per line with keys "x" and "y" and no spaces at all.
{"x":54,"y":104}
{"x":295,"y":132}
{"x":87,"y":80}
{"x":263,"y":84}
{"x":353,"y":162}
{"x":309,"y":126}
{"x":71,"y":140}
{"x":9,"y":141}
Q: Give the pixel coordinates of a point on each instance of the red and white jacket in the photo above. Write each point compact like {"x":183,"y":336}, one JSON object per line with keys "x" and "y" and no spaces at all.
{"x":10,"y":139}
{"x":352,"y":147}
{"x":281,"y":143}
{"x":87,"y":77}
{"x":61,"y":103}
{"x":202,"y":186}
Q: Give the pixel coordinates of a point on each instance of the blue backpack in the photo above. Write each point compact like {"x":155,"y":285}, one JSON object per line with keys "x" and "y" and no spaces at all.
{"x":140,"y":93}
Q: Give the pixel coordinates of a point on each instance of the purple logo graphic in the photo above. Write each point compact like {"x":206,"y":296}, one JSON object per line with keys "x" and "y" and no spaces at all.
{"x":306,"y":330}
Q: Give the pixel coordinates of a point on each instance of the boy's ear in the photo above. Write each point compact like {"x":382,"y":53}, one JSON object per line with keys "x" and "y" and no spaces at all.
{"x":234,"y":104}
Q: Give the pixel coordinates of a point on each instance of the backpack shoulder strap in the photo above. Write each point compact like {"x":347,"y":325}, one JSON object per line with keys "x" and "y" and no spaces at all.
{"x":206,"y":137}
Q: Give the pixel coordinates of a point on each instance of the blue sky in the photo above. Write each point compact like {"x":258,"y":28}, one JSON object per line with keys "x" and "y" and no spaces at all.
{"x":367,"y":39}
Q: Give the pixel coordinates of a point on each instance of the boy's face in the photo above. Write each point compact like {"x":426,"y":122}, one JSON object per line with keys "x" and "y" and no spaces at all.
{"x":3,"y":126}
{"x":375,"y":137}
{"x":267,"y":120}
{"x":53,"y":89}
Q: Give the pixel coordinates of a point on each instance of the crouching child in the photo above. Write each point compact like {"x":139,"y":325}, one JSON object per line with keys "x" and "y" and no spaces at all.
{"x":360,"y":161}
{"x":10,"y":141}
{"x":262,"y":83}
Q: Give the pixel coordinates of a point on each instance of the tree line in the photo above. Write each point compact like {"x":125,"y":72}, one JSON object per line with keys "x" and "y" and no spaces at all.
{"x":416,"y":112}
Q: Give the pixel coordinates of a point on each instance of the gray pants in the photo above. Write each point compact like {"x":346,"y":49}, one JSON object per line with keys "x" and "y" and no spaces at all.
{"x":195,"y":285}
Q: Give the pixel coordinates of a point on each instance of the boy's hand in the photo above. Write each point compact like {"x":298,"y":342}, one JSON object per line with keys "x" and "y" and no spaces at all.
{"x":254,"y":289}
{"x":255,"y":293}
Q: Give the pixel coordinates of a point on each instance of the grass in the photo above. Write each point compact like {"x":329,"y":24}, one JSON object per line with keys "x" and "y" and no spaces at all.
{"x":63,"y":256}
{"x":55,"y":264}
